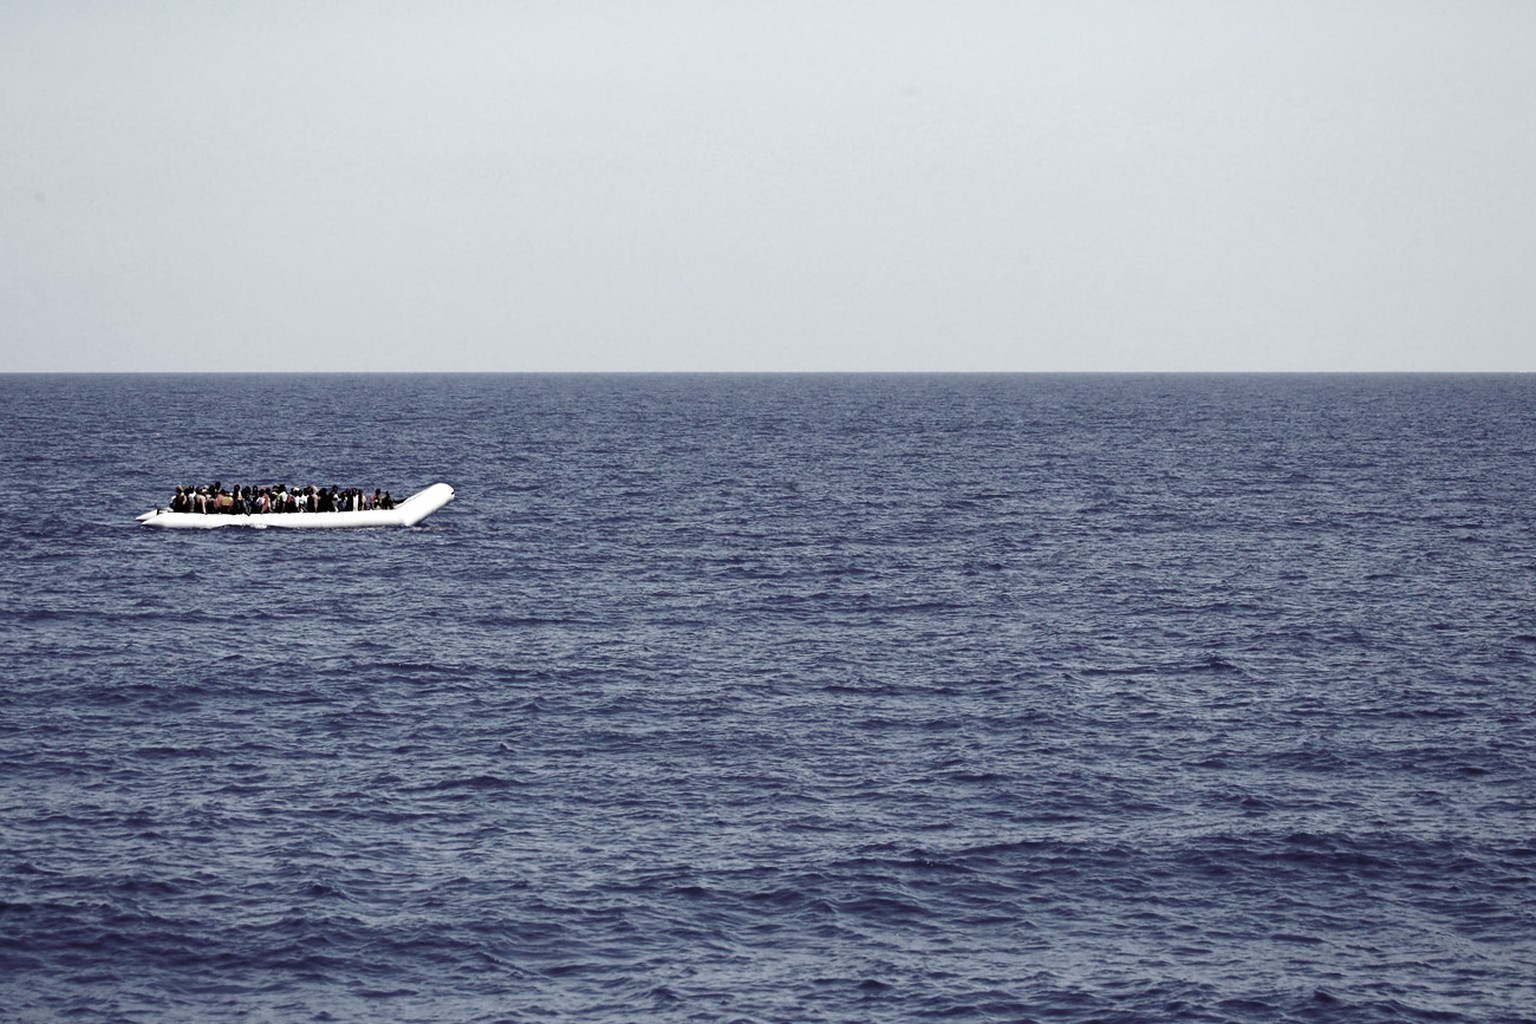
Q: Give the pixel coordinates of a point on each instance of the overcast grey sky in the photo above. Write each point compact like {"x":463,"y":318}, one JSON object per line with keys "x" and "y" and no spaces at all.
{"x":953,"y":185}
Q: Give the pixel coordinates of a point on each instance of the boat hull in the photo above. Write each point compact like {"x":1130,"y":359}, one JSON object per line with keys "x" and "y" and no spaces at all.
{"x":407,"y":513}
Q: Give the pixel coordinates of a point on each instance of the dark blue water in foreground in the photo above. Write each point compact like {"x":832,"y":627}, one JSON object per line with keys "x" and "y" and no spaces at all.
{"x":774,"y":699}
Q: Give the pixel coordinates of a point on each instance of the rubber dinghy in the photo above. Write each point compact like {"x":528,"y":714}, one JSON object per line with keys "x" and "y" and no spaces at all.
{"x":407,"y":513}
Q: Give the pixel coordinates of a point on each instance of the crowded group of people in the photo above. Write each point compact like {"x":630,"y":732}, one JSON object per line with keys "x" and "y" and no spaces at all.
{"x":216,"y":499}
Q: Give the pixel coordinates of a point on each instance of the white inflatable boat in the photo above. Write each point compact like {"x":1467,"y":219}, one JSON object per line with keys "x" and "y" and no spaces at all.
{"x":407,"y":513}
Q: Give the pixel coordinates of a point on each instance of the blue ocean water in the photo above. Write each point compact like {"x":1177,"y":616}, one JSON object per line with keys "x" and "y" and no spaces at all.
{"x":774,"y":699}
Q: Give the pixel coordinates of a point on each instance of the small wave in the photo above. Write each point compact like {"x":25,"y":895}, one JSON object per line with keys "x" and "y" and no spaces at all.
{"x":1215,"y":663}
{"x":472,"y":782}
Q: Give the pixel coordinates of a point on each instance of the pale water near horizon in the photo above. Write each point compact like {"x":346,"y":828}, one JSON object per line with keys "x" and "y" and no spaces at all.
{"x":774,"y":699}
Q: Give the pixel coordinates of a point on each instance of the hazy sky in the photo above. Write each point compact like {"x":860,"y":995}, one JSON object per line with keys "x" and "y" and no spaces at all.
{"x":950,"y":185}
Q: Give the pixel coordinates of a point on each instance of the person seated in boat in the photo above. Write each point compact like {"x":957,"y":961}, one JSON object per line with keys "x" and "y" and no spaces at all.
{"x":249,"y":499}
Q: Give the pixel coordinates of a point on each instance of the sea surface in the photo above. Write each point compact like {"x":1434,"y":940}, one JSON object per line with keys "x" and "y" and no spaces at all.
{"x":774,"y":699}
